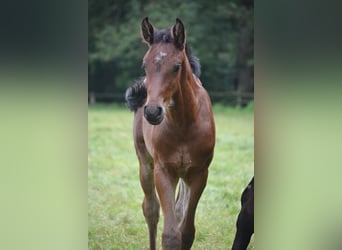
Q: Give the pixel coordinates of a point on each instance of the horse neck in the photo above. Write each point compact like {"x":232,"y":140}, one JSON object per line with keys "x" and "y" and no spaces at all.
{"x":185,"y":109}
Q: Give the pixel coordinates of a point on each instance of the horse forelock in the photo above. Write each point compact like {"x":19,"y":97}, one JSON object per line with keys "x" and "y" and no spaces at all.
{"x":164,"y":36}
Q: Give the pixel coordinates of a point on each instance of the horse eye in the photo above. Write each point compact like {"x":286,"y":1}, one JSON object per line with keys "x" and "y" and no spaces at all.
{"x":176,"y":68}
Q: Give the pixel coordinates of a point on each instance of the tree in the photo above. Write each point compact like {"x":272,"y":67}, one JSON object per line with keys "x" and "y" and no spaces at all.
{"x":219,"y":32}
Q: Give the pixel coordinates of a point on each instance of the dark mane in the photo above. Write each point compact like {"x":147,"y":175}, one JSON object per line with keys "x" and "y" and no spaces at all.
{"x":194,"y":61}
{"x":136,"y":94}
{"x":164,"y":36}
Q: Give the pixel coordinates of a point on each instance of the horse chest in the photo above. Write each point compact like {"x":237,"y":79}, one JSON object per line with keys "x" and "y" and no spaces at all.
{"x":178,"y":161}
{"x":180,"y":152}
{"x":182,"y":159}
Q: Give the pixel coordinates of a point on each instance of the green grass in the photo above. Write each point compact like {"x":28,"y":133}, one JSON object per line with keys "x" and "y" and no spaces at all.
{"x":114,"y":193}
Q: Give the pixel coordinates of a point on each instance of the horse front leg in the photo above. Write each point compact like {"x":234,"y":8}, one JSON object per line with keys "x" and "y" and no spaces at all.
{"x":166,"y":185}
{"x":194,"y":186}
{"x":150,"y":205}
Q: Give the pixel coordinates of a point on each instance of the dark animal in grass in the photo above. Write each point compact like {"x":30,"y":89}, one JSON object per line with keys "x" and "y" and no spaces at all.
{"x":245,"y":220}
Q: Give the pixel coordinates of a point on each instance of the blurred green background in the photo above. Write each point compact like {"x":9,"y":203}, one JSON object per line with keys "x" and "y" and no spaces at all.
{"x":219,"y":32}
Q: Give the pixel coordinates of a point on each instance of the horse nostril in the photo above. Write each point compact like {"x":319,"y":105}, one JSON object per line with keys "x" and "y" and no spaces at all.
{"x":153,"y":114}
{"x":153,"y":110}
{"x":159,"y":110}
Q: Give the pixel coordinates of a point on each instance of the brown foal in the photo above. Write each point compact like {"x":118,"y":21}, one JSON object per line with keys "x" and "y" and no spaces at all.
{"x":174,"y":134}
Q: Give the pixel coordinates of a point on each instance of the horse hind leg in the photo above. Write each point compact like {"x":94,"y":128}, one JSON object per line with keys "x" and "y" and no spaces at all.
{"x":150,"y":205}
{"x":182,"y":197}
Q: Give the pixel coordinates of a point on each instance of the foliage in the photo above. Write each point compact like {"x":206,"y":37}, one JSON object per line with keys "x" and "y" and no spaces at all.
{"x":213,"y":31}
{"x":114,"y":193}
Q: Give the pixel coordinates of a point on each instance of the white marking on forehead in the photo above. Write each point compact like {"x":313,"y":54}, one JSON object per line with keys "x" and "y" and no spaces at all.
{"x":160,"y":57}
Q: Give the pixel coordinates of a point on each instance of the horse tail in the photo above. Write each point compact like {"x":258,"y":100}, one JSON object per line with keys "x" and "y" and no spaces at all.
{"x":136,"y":94}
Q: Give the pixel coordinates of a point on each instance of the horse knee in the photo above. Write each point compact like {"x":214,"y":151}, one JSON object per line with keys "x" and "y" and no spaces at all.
{"x":187,"y":240}
{"x":188,"y":235}
{"x":151,"y":210}
{"x":171,"y":241}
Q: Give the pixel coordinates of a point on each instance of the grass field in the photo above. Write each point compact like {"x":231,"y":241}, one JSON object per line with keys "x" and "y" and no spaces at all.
{"x":114,"y":193}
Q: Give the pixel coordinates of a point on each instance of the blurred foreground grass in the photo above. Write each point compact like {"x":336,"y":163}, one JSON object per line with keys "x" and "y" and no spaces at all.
{"x":114,"y":193}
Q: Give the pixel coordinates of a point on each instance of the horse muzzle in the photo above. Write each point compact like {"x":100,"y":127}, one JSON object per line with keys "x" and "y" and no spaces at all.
{"x":154,"y":114}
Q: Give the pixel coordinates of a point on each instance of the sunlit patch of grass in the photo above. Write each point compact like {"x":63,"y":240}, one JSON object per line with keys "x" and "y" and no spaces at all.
{"x":114,"y":193}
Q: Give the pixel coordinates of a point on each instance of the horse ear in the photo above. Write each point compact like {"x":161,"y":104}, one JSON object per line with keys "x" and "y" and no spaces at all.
{"x":178,"y":33}
{"x":147,"y":31}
